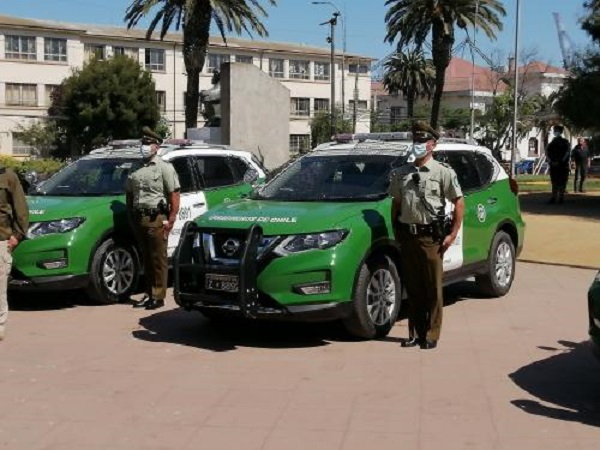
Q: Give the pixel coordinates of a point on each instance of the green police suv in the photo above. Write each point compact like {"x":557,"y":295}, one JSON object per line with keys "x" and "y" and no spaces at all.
{"x":316,"y":242}
{"x":79,"y":236}
{"x":594,"y":314}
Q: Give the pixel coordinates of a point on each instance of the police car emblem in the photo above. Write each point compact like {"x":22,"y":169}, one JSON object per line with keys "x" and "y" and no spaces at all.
{"x":481,"y":213}
{"x":231,"y":247}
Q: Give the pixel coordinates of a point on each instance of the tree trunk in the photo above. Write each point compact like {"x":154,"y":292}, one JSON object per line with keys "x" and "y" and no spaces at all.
{"x":410,"y":103}
{"x":195,"y":44}
{"x":442,"y":38}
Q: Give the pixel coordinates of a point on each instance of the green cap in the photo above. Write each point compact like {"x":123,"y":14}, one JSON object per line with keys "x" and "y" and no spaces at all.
{"x":150,"y":137}
{"x":423,"y":131}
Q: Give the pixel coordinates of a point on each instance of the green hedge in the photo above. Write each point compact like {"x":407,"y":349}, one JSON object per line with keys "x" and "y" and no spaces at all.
{"x":44,"y":167}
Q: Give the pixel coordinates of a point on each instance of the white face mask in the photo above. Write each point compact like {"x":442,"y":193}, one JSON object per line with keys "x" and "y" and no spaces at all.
{"x":146,"y":151}
{"x":419,"y":150}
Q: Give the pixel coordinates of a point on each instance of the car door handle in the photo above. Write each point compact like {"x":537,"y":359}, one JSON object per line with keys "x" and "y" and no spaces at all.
{"x":198,"y":205}
{"x":492,"y":200}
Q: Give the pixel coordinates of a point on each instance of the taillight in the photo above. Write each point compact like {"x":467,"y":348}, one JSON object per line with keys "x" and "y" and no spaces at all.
{"x":514,"y":186}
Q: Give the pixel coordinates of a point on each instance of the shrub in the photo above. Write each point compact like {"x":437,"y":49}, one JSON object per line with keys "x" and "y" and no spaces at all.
{"x":43,"y":167}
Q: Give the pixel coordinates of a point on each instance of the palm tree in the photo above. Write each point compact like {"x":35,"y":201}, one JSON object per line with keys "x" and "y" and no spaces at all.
{"x":413,"y":20}
{"x":411,"y":74}
{"x":194,"y":17}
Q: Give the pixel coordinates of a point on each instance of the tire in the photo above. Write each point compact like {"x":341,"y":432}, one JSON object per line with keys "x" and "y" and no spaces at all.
{"x":114,"y":272}
{"x":375,"y":321}
{"x":498,"y":279}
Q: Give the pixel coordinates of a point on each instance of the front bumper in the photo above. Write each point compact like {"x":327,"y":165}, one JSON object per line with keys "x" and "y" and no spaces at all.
{"x":278,"y":298}
{"x":52,"y":283}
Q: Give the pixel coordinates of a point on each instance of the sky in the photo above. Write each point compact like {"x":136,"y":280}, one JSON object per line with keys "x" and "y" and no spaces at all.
{"x":298,"y":21}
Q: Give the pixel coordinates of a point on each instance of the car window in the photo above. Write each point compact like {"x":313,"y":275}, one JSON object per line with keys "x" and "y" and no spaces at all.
{"x":485,"y":167}
{"x":464,"y":165}
{"x":214,"y":171}
{"x":184,"y":172}
{"x":239,"y":167}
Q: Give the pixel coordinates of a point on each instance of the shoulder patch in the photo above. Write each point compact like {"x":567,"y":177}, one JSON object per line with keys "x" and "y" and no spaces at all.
{"x":445,"y":164}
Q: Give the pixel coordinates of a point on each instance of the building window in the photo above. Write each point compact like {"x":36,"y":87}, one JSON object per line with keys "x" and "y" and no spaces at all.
{"x":299,"y":143}
{"x":300,"y":106}
{"x":300,"y":70}
{"x":363,"y":69}
{"x":321,"y":105}
{"x":361,"y":105}
{"x":50,"y":90}
{"x":19,"y":147}
{"x":161,"y":99}
{"x":55,"y":49}
{"x":322,"y":71}
{"x":20,"y":47}
{"x":276,"y":68}
{"x":396,"y":114}
{"x":94,"y":51}
{"x":244,"y":59}
{"x":155,"y":60}
{"x":215,"y":61}
{"x":21,"y":94}
{"x":131,"y":52}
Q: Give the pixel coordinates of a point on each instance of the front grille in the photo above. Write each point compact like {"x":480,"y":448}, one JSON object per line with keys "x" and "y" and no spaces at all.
{"x":228,"y":248}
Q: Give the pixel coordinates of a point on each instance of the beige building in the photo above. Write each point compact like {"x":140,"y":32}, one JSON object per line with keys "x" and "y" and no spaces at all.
{"x":36,"y":55}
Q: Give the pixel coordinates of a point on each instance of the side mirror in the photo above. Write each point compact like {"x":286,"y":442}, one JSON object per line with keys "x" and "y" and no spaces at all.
{"x":250,"y":176}
{"x":31,"y":177}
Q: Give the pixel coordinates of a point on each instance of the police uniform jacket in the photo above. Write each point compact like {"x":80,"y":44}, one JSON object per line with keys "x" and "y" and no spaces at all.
{"x":151,"y":183}
{"x":434,"y":183}
{"x":14,"y":213}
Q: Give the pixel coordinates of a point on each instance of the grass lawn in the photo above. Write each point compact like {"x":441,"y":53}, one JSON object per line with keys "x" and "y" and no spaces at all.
{"x":541,"y":183}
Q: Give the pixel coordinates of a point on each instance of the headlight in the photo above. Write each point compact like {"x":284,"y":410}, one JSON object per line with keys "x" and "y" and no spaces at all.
{"x":303,"y":242}
{"x":54,"y":226}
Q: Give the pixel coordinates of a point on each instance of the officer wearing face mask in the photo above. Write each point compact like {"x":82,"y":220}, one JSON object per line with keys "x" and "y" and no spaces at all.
{"x":152,"y":194}
{"x":419,"y":192}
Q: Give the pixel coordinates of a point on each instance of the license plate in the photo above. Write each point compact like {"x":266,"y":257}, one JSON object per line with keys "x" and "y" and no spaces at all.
{"x":225,"y":283}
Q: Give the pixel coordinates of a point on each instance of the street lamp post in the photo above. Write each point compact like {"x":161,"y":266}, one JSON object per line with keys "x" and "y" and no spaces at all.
{"x":343,"y":16}
{"x":331,"y":40}
{"x":513,"y":155}
{"x":472,"y":127}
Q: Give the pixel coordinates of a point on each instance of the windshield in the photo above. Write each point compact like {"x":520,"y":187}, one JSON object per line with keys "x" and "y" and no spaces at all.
{"x":338,"y":177}
{"x":90,"y":177}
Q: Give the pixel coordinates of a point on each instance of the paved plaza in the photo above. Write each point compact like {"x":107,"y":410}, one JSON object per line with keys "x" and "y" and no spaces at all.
{"x":511,"y":373}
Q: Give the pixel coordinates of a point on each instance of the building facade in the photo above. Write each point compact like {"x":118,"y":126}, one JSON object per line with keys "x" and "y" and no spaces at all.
{"x":35,"y":56}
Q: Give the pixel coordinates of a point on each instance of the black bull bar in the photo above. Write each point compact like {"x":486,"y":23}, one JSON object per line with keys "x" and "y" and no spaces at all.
{"x":190,"y":267}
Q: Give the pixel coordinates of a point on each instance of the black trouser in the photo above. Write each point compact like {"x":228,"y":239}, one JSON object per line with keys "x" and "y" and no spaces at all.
{"x":580,"y":175}
{"x":421,"y":272}
{"x":559,"y":176}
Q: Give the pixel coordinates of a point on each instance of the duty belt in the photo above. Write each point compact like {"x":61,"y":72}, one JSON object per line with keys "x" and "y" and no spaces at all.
{"x":146,"y":211}
{"x":417,"y":229}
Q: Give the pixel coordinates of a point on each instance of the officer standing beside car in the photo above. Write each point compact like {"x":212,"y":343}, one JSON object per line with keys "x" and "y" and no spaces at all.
{"x":152,"y":194}
{"x":419,"y":193}
{"x":14,"y":223}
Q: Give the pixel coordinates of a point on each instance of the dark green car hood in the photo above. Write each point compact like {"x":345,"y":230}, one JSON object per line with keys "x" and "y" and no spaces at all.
{"x":284,"y":217}
{"x":44,"y":208}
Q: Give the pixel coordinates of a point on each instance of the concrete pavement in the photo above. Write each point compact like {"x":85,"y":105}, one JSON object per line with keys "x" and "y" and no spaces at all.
{"x":512,"y":373}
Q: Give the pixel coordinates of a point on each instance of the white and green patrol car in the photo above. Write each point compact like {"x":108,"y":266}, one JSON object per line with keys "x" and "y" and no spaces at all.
{"x":79,"y":235}
{"x":316,"y":242}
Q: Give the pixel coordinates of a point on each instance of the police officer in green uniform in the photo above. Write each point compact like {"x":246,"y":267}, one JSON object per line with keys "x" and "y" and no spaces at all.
{"x":152,"y":193}
{"x":419,"y":193}
{"x":14,"y":223}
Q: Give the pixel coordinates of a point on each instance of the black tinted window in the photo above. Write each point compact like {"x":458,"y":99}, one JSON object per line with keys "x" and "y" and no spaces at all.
{"x":185,"y":174}
{"x":239,"y":168}
{"x":485,"y":168}
{"x":214,"y":171}
{"x":463,"y":164}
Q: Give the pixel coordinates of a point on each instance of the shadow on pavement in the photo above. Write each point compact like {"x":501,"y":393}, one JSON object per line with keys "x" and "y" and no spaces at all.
{"x":192,"y":329}
{"x":585,"y":206}
{"x":46,"y":301}
{"x":567,"y":382}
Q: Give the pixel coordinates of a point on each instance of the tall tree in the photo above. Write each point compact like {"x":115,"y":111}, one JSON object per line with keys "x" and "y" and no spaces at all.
{"x":103,"y":100}
{"x":410,"y":73}
{"x":194,"y":17}
{"x":412,"y":21}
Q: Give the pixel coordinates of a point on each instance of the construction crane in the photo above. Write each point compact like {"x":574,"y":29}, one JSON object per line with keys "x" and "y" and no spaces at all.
{"x":566,"y":45}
